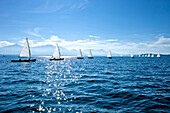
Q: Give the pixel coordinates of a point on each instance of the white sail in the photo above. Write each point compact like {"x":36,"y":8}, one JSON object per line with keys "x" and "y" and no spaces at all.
{"x":80,"y":53}
{"x":90,"y":54}
{"x":152,"y":55}
{"x":149,"y":55}
{"x":56,"y":53}
{"x":121,"y":55}
{"x":139,"y":55}
{"x":158,"y":55}
{"x":132,"y":55}
{"x":26,"y":50}
{"x":145,"y":55}
{"x":109,"y":54}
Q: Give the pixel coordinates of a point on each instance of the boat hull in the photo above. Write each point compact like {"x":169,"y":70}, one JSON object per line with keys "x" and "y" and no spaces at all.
{"x":110,"y":57}
{"x":30,"y":60}
{"x":90,"y":57}
{"x":80,"y":57}
{"x":56,"y":59}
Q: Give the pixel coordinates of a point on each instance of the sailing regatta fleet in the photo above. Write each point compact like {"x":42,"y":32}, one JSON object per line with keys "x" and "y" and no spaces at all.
{"x":26,"y":53}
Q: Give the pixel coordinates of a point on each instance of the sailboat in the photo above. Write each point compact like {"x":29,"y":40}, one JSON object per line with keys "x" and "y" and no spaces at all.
{"x":25,"y":53}
{"x":90,"y":56}
{"x":152,"y":55}
{"x":159,"y":56}
{"x":132,"y":55}
{"x":121,"y":55}
{"x":139,"y":55}
{"x":109,"y":55}
{"x":80,"y":56}
{"x":56,"y":55}
{"x":145,"y":55}
{"x":149,"y":55}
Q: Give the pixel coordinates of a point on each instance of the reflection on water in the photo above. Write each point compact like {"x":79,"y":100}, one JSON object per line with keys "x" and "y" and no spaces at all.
{"x":76,"y":85}
{"x":57,"y":78}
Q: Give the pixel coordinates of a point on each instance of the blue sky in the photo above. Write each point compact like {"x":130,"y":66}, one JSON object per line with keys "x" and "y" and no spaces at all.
{"x":123,"y":26}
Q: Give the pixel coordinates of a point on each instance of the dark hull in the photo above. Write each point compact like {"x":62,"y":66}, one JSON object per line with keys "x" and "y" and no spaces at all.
{"x":30,"y":60}
{"x":110,"y":57}
{"x":56,"y":59}
{"x":90,"y":57}
{"x":80,"y":57}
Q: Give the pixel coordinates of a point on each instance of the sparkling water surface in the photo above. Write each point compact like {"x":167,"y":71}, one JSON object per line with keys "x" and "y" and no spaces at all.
{"x":88,"y":85}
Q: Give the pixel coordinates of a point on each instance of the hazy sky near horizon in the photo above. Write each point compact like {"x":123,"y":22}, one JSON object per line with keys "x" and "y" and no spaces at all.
{"x":123,"y":26}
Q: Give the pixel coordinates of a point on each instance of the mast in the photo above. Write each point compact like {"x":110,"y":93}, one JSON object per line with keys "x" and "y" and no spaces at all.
{"x":80,"y":53}
{"x":26,"y":50}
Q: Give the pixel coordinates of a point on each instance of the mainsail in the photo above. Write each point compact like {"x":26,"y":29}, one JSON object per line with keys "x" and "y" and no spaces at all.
{"x":90,"y":54}
{"x":121,"y":55}
{"x":80,"y":53}
{"x":109,"y":54}
{"x":159,"y":55}
{"x":56,"y":53}
{"x":152,"y":55}
{"x":132,"y":55}
{"x":26,"y":50}
{"x":149,"y":55}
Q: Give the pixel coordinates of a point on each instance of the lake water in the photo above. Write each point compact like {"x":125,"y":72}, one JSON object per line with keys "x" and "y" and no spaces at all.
{"x":89,"y":85}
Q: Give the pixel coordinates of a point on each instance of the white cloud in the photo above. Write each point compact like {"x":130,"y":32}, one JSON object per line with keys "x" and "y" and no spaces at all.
{"x":92,"y":36}
{"x":51,"y":41}
{"x":55,"y":38}
{"x":34,"y":31}
{"x":162,"y":41}
{"x":112,"y":40}
{"x":5,"y":43}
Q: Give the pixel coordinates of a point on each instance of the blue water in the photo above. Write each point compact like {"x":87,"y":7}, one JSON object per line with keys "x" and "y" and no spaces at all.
{"x":89,"y":85}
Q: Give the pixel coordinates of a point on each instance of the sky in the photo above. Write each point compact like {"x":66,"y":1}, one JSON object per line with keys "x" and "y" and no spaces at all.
{"x":122,"y":26}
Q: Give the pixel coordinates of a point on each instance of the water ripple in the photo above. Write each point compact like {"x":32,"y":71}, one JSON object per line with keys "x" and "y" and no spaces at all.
{"x":97,"y":85}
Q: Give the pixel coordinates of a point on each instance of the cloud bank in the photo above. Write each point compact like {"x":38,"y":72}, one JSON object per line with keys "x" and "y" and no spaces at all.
{"x":110,"y":44}
{"x":161,"y":45}
{"x":5,"y":43}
